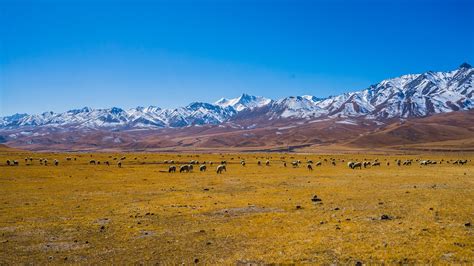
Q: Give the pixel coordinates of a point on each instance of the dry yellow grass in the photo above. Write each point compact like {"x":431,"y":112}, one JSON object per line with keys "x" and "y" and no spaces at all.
{"x":81,"y":213}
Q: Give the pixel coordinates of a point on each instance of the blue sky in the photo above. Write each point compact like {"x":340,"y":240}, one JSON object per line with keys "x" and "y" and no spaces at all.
{"x":59,"y":55}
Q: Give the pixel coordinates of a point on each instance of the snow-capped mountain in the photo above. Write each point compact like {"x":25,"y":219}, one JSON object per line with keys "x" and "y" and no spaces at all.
{"x":413,"y":95}
{"x":243,"y":102}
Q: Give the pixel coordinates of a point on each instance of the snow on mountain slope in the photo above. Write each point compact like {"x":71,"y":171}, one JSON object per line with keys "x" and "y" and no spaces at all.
{"x":245,"y":101}
{"x":412,"y":95}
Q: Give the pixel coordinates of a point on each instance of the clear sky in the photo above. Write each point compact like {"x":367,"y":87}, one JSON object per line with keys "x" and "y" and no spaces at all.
{"x":64,"y":54}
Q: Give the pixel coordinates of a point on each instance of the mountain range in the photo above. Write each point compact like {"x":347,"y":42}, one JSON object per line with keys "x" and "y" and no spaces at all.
{"x":412,"y":96}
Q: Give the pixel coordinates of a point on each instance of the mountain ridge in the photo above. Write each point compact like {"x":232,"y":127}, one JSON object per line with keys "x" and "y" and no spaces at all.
{"x":406,"y":96}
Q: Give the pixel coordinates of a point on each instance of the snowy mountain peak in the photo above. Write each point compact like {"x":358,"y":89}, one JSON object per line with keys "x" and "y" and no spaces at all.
{"x":244,"y":101}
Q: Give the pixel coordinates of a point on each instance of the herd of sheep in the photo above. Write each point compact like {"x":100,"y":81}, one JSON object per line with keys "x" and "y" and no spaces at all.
{"x":189,"y":166}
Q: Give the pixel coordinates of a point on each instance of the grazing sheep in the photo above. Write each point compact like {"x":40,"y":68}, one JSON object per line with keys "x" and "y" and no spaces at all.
{"x":309,"y":161}
{"x":172,"y":169}
{"x":334,"y":163}
{"x":123,"y":158}
{"x":221,"y":168}
{"x":460,"y":162}
{"x":242,"y":163}
{"x":224,"y":162}
{"x":284,"y":164}
{"x":310,"y":167}
{"x":376,"y":164}
{"x":119,"y":164}
{"x":295,"y":163}
{"x":354,"y":165}
{"x":184,"y":168}
{"x":92,"y":162}
{"x":8,"y":162}
{"x":357,"y":164}
{"x":56,"y":162}
{"x":365,"y":164}
{"x":319,"y":163}
{"x":107,"y":163}
{"x":16,"y":163}
{"x":267,"y":163}
{"x":259,"y":163}
{"x":202,"y":168}
{"x":425,"y":162}
{"x":45,"y":161}
{"x":68,"y":158}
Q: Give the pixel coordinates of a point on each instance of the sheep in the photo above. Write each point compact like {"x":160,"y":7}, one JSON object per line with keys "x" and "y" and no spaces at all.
{"x":184,"y":168}
{"x":365,"y":164}
{"x":16,"y":163}
{"x":45,"y":161}
{"x":8,"y":162}
{"x":172,"y":169}
{"x":357,"y":164}
{"x":319,"y":163}
{"x":202,"y":168}
{"x":259,"y":163}
{"x":310,"y":167}
{"x":119,"y":164}
{"x":295,"y":163}
{"x":354,"y":165}
{"x":334,"y":163}
{"x":309,"y":161}
{"x":376,"y":164}
{"x":107,"y":163}
{"x":56,"y":162}
{"x":221,"y":168}
{"x":284,"y":164}
{"x":267,"y":163}
{"x":92,"y":162}
{"x":242,"y":163}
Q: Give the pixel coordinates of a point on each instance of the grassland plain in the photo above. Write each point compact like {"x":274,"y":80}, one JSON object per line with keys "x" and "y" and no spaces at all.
{"x":81,"y":213}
